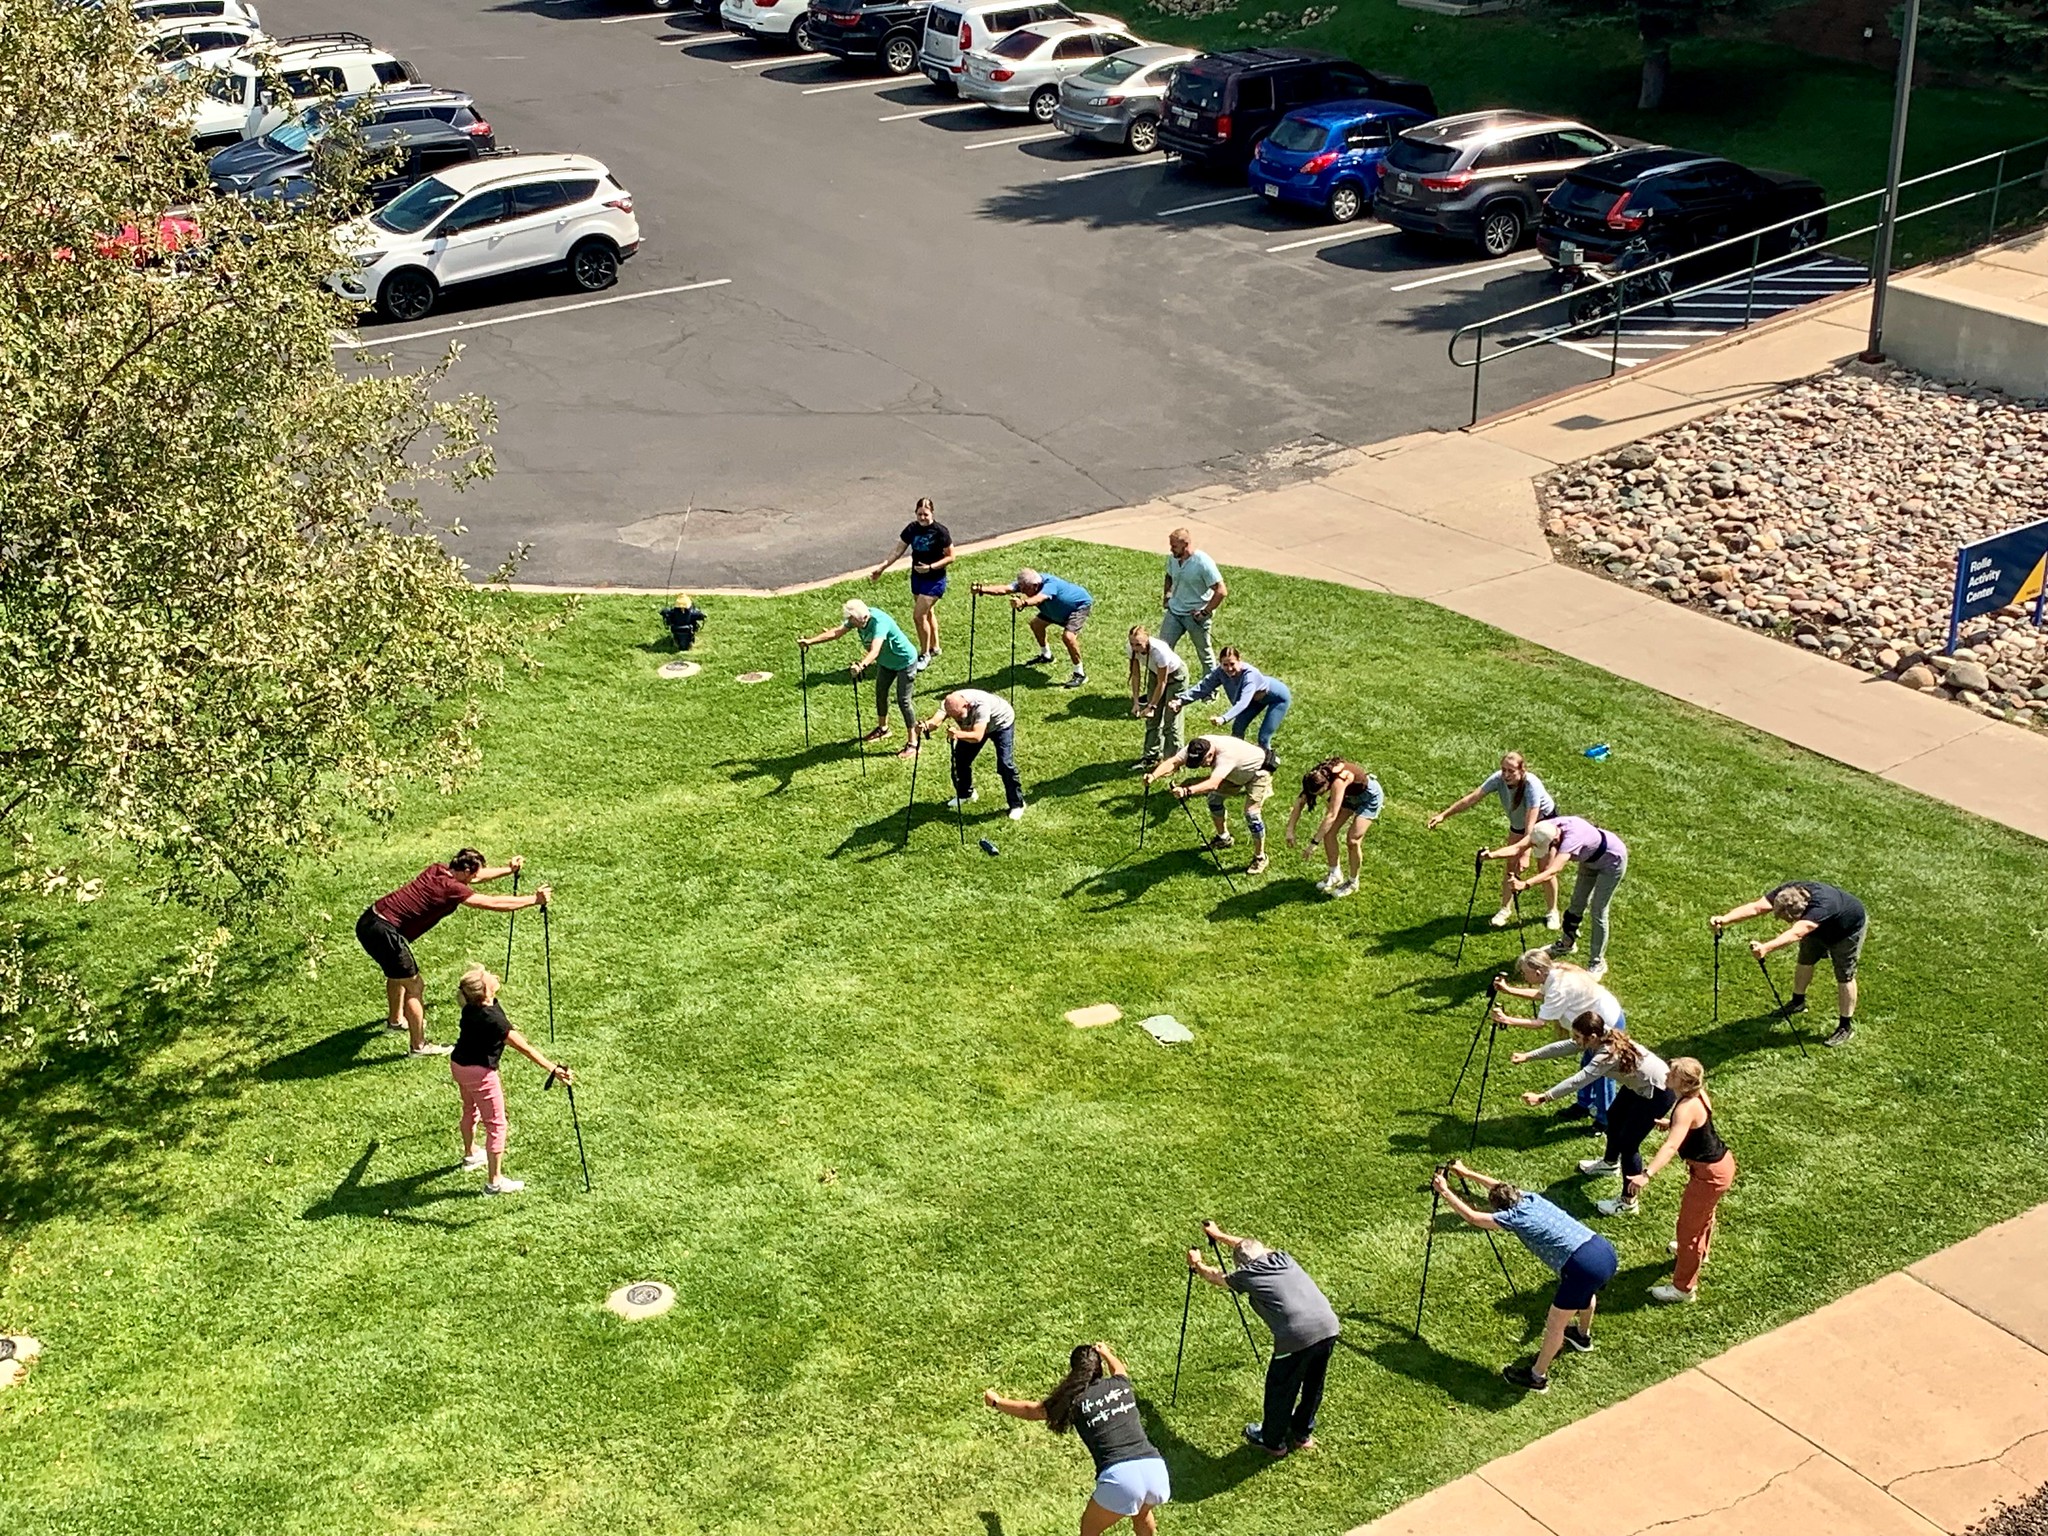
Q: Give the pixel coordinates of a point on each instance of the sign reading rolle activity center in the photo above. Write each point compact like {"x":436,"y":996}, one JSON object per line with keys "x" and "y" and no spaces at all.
{"x":1997,"y":572}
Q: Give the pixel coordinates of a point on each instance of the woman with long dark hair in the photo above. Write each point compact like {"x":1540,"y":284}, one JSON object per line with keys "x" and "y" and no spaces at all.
{"x":1642,"y":1097}
{"x":1356,"y":801}
{"x":1095,"y":1399}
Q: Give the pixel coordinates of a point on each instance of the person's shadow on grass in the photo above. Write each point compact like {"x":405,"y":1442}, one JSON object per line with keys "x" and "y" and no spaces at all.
{"x":1466,"y":1381}
{"x":1754,"y":1035}
{"x":1261,"y":899}
{"x":339,"y":1052}
{"x":1448,"y":1130}
{"x":785,"y":768}
{"x":1131,"y":877}
{"x":1097,"y":706}
{"x":1196,"y":1473}
{"x":389,"y":1199}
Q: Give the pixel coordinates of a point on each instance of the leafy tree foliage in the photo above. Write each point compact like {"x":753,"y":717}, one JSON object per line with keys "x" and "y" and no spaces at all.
{"x":2006,"y":41}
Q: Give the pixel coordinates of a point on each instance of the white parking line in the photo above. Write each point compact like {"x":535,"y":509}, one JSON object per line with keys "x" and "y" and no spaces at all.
{"x":1341,"y":234}
{"x":904,"y":117}
{"x":533,"y":314}
{"x":850,"y":85}
{"x":1214,"y":202}
{"x":1473,"y":271}
{"x":1104,"y":170}
{"x":613,"y":21}
{"x":773,"y":58}
{"x":1022,"y":138}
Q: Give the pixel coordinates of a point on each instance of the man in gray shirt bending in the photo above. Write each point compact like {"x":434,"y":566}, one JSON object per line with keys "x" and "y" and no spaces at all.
{"x":1304,"y":1328}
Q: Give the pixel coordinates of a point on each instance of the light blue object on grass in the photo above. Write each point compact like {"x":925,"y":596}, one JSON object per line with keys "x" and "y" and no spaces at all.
{"x":1598,"y":753}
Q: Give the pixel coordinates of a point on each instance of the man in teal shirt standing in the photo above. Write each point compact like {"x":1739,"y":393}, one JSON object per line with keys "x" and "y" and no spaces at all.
{"x":1194,"y":591}
{"x":894,"y":659}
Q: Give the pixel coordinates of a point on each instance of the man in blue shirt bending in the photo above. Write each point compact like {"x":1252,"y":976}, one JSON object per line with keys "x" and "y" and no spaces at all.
{"x":1065,"y":604}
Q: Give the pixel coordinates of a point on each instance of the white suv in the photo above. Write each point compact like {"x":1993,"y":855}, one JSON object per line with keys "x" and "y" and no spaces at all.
{"x":240,"y":103}
{"x":150,"y":12}
{"x":177,"y":45}
{"x":509,"y":213}
{"x":770,"y":20}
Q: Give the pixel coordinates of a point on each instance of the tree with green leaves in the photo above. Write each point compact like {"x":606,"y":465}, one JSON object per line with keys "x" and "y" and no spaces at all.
{"x":2000,"y":40}
{"x":1660,"y":24}
{"x":225,"y":619}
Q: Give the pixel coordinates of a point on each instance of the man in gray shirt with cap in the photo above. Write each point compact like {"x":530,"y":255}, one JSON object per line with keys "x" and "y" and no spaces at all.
{"x":1304,"y":1328}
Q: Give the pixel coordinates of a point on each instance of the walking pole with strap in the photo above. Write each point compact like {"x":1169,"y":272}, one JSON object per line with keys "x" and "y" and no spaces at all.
{"x":1486,"y":1021}
{"x":547,"y":949}
{"x":860,"y":731}
{"x":1436,"y":1201}
{"x":973,"y":614}
{"x":1717,"y":973}
{"x":1186,"y":1302}
{"x":512,"y":922}
{"x":1479,"y":1100}
{"x":1798,"y":1034}
{"x":803,"y":662}
{"x":575,"y":1120}
{"x":1238,"y":1302}
{"x":1206,"y":843}
{"x":1478,"y":864}
{"x":916,"y":753}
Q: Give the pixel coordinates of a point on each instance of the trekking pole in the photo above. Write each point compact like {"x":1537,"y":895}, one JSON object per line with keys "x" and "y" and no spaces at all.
{"x":1013,"y":656}
{"x":1493,"y":1241}
{"x":1479,"y":1101}
{"x":916,"y":753}
{"x":860,"y":731}
{"x":1144,"y":811}
{"x":1478,"y":863}
{"x":512,"y":923}
{"x":1238,"y":1302}
{"x":575,"y":1120}
{"x":973,"y":614}
{"x":803,"y":662}
{"x":1206,"y":843}
{"x":1717,"y":973}
{"x":1186,"y":1302}
{"x":547,"y":949}
{"x":1436,"y":1201}
{"x":1798,"y":1034}
{"x":1485,"y":1020}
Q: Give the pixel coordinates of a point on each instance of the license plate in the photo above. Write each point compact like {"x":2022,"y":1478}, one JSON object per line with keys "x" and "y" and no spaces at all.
{"x":1404,"y":186}
{"x":1269,"y":189}
{"x":1185,"y":119}
{"x":1568,"y":253}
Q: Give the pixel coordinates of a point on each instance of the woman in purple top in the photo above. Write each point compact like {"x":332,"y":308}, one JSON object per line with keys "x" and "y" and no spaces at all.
{"x":1602,"y":860}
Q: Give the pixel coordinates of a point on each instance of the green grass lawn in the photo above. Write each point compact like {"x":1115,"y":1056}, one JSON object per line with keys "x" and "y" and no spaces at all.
{"x":828,"y":1094}
{"x":1757,"y":102}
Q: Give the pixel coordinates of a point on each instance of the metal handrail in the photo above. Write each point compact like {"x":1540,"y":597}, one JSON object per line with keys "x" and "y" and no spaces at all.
{"x":1477,"y":329}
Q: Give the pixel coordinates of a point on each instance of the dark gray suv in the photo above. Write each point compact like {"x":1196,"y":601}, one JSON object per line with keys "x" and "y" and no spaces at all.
{"x":1481,"y":176}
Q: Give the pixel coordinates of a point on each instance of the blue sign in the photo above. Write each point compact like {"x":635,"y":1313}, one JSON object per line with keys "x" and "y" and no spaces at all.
{"x":2000,"y":571}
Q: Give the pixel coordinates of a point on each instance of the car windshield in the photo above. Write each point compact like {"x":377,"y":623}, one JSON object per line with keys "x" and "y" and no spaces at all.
{"x":1300,"y":135}
{"x":1110,"y":71}
{"x":1018,"y":45}
{"x":1421,"y":157}
{"x":296,"y":134}
{"x":226,"y":86}
{"x":419,"y":207}
{"x":1202,"y":92}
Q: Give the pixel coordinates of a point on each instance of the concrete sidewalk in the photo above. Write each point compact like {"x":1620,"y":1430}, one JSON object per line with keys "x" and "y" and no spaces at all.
{"x":1907,"y":1408}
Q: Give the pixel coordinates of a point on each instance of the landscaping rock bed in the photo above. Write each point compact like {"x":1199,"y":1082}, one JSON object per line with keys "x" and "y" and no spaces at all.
{"x":1828,"y":515}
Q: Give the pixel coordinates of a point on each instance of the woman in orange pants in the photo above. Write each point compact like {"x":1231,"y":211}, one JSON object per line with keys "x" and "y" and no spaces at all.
{"x":1690,"y":1134}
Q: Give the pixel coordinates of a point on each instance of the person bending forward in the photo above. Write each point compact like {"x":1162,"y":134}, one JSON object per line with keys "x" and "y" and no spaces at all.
{"x":1234,"y":767}
{"x":1096,"y":1400}
{"x":974,"y":717}
{"x":1304,"y":1327}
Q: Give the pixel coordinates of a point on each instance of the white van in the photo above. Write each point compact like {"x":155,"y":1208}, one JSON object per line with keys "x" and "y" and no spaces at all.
{"x":951,"y":30}
{"x":239,"y":102}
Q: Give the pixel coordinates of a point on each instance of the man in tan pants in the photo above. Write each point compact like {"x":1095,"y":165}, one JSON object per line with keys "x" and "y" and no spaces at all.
{"x":1234,"y":767}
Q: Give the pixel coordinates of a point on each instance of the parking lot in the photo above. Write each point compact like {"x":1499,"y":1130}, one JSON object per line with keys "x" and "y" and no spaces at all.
{"x":855,"y":291}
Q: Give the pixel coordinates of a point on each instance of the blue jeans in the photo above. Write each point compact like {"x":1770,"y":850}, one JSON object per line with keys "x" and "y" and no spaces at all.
{"x":1269,"y":712}
{"x":1005,"y":739}
{"x":1598,"y":1095}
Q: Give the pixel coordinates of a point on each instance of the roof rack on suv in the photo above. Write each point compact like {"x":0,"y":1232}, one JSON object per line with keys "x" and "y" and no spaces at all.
{"x":331,"y":39}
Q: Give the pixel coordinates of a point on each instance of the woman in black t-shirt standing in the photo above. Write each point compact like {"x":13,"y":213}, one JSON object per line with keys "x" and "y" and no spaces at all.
{"x":1095,"y":1399}
{"x":930,"y":548}
{"x":483,"y":1036}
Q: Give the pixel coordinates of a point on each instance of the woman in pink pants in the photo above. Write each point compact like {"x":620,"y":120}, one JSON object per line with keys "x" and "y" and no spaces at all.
{"x":484,"y":1034}
{"x":1690,"y":1134}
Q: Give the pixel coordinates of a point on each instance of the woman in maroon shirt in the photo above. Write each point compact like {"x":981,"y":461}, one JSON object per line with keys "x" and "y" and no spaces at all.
{"x":390,"y":924}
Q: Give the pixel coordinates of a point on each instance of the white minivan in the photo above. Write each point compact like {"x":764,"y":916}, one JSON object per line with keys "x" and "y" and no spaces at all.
{"x":950,"y":30}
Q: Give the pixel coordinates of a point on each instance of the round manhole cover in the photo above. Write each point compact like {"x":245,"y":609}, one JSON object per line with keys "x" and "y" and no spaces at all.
{"x":755,"y":677}
{"x":674,"y":669}
{"x":641,"y":1300}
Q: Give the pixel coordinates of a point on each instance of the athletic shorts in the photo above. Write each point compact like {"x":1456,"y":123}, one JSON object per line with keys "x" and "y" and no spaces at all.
{"x":1585,"y":1274}
{"x":1125,"y":1487}
{"x":383,"y":943}
{"x":928,"y":586}
{"x":1076,"y":621}
{"x":1843,"y":955}
{"x":1256,"y":789}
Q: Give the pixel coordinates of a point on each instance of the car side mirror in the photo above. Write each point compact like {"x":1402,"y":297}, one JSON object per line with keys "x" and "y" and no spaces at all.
{"x":266,"y":98}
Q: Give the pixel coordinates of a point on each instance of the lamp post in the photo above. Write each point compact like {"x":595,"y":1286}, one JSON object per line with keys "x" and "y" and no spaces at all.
{"x":1881,"y":260}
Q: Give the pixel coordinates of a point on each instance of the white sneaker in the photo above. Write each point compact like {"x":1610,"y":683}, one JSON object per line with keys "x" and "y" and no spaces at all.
{"x":1331,"y":881}
{"x":1672,"y":1246}
{"x":1348,"y":888}
{"x":1016,"y":813}
{"x":396,"y":1029}
{"x":957,"y":801}
{"x":1620,"y":1205}
{"x":1671,"y":1295}
{"x":1501,"y":918}
{"x":504,"y":1186}
{"x":431,"y":1049}
{"x":1597,"y":969}
{"x":1553,"y":920}
{"x":920,"y":664}
{"x":475,"y":1160}
{"x":1598,"y":1167}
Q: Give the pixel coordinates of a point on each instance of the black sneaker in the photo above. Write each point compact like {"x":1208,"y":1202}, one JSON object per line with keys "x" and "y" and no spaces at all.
{"x":1043,"y":659}
{"x":1793,"y":1009}
{"x":1253,"y":1436}
{"x":1843,"y":1034}
{"x":1079,"y":679}
{"x":1573,"y":1112}
{"x":1221,"y":840}
{"x":1577,"y":1338}
{"x":1519,"y":1375}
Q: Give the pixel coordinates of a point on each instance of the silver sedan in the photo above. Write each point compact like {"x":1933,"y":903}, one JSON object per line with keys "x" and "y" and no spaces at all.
{"x":1023,"y":71}
{"x":1118,"y":100}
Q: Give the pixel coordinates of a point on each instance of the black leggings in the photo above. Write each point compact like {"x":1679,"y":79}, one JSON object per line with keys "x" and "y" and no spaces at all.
{"x":1629,"y":1120}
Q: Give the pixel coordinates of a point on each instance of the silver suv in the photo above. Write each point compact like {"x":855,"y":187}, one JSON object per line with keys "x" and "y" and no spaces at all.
{"x":1481,"y":176}
{"x":950,"y":30}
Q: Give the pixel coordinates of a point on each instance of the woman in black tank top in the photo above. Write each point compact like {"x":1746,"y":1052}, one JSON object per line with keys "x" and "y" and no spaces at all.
{"x":1355,"y":804}
{"x":1690,"y":1134}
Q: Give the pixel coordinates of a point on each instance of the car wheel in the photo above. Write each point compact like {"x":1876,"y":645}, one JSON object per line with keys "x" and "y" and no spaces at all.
{"x":594,"y":264}
{"x":1500,"y":229}
{"x":1806,"y":233}
{"x":899,"y":56}
{"x":1143,"y":135}
{"x":1044,"y":102}
{"x":407,"y":294}
{"x":800,"y":36}
{"x":1346,"y":203}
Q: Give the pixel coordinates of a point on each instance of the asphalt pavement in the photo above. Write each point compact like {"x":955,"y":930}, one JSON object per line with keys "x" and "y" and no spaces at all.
{"x":854,"y":291}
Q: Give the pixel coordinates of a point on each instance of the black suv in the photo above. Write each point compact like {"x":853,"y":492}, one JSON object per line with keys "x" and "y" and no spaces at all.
{"x":1670,"y":201}
{"x":1481,"y":176}
{"x":889,"y":30}
{"x":401,"y":153}
{"x":1222,"y":104}
{"x":240,"y":167}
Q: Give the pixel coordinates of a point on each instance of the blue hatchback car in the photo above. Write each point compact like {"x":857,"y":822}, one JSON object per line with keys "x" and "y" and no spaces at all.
{"x":1328,"y":157}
